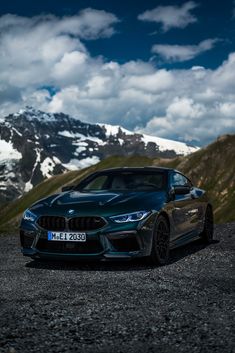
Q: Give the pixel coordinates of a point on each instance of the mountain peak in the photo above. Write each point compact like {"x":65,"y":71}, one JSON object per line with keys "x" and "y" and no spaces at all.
{"x":29,"y":109}
{"x":30,"y":113}
{"x":38,"y":145}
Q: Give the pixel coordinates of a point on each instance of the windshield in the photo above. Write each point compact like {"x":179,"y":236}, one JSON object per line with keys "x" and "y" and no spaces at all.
{"x":124,"y":181}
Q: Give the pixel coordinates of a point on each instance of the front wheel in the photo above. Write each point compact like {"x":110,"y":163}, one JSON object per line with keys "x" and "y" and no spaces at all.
{"x":208,"y":230}
{"x":161,"y":241}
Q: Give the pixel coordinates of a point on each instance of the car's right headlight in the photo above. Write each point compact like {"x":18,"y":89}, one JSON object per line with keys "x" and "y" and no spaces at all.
{"x":130,"y":217}
{"x":29,"y":216}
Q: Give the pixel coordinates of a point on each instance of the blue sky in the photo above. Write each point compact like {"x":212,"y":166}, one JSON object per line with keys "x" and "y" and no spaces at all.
{"x":134,"y":39}
{"x":160,"y":67}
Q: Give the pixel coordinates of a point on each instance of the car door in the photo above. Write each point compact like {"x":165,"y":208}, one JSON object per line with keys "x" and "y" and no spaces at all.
{"x":184,"y":210}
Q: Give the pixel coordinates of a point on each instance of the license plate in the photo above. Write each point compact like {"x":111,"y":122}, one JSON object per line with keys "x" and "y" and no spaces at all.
{"x":64,"y":236}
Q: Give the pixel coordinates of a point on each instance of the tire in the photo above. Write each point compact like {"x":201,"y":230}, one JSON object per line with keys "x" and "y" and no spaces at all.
{"x":161,"y":241}
{"x":208,"y":230}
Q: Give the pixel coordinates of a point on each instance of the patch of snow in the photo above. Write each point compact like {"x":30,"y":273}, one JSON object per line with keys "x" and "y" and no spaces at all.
{"x":33,"y":114}
{"x":96,"y":139}
{"x":9,"y":164}
{"x":8,"y":168}
{"x":56,"y":160}
{"x":28,"y":186}
{"x":73,"y":135}
{"x":18,"y":133}
{"x":114,"y":129}
{"x":80,"y":144}
{"x":75,"y":164}
{"x":11,"y":174}
{"x":80,"y":149}
{"x":38,"y":158}
{"x":7,"y":151}
{"x":66,"y":133}
{"x":47,"y":167}
{"x":165,"y":144}
{"x":81,"y":137}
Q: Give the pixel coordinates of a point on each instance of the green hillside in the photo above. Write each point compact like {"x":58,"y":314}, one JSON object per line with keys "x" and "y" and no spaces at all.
{"x":212,"y":168}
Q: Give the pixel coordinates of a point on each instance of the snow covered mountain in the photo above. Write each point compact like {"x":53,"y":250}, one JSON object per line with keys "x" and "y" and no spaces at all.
{"x":35,"y":145}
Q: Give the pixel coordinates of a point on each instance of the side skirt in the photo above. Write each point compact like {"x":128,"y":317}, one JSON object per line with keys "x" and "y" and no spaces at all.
{"x":184,"y":239}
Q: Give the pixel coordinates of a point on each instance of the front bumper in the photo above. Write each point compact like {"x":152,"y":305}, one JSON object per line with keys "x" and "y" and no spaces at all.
{"x":106,"y":244}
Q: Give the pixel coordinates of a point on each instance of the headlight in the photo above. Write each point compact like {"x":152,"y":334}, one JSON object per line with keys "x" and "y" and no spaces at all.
{"x":29,"y":216}
{"x":130,"y":217}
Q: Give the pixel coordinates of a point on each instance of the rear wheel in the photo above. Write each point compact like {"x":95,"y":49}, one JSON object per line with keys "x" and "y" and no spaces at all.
{"x":208,"y":230}
{"x":161,"y":239}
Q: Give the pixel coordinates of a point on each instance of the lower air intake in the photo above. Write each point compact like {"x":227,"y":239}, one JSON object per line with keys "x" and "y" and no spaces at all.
{"x":91,"y":246}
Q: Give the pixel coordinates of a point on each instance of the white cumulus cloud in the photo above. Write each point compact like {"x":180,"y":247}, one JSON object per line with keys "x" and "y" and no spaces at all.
{"x":184,"y":108}
{"x":157,"y":82}
{"x":45,"y":63}
{"x":171,"y":16}
{"x":183,"y":52}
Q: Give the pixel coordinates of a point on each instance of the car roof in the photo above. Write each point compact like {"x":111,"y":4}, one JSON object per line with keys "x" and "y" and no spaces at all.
{"x":137,"y":169}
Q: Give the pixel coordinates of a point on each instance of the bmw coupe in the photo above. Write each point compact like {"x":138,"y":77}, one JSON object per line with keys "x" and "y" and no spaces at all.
{"x":119,"y":213}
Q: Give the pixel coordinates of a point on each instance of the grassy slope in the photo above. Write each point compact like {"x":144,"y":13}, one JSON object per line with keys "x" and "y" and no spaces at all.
{"x":212,"y":168}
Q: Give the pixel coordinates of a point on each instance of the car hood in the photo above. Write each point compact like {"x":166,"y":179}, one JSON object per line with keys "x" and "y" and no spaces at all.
{"x":104,"y":203}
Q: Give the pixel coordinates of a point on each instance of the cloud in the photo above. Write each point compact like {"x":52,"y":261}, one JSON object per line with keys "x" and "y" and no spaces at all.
{"x":88,"y":24}
{"x":171,"y":16}
{"x":204,"y":106}
{"x":48,"y":48}
{"x":181,"y":53}
{"x":154,"y":82}
{"x":44,"y":52}
{"x":223,"y":77}
{"x":228,"y":109}
{"x":185,"y":108}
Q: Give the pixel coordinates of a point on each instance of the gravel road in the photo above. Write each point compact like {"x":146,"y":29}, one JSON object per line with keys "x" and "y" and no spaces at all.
{"x":187,"y":306}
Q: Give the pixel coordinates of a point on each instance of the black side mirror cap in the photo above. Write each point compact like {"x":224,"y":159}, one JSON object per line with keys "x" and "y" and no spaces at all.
{"x":182,"y":190}
{"x":67,"y":188}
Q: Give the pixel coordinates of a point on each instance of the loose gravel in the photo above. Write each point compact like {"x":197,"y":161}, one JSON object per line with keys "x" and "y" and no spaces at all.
{"x":186,"y":306}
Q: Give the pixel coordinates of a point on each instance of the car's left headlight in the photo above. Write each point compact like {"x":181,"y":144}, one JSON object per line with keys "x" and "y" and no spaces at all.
{"x":29,"y":216}
{"x":130,"y":217}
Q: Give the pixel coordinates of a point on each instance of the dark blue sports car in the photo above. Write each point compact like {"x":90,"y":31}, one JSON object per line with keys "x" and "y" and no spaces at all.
{"x":119,"y":213}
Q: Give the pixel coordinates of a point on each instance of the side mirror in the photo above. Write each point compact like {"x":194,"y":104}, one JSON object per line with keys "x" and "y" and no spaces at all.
{"x":67,"y":188}
{"x":181,"y":190}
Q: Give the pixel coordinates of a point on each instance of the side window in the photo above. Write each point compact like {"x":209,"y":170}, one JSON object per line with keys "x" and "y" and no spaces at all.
{"x":179,"y":180}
